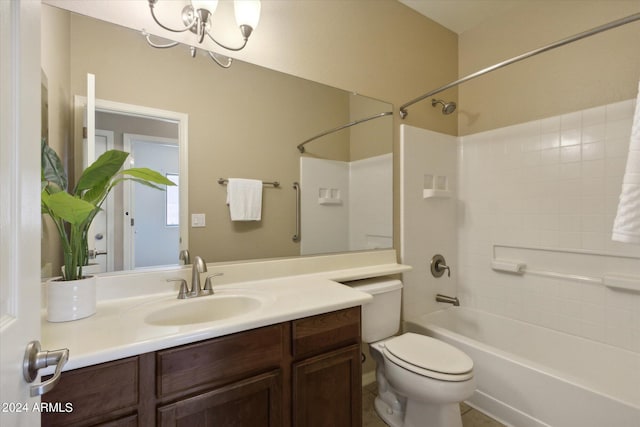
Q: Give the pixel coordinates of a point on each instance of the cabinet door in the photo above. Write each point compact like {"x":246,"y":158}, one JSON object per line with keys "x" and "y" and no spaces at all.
{"x":327,"y":390}
{"x":130,"y":421}
{"x":255,"y":402}
{"x":94,"y":394}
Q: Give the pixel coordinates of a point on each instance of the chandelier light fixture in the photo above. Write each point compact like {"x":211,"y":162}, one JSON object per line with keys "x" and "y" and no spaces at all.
{"x":197,"y":18}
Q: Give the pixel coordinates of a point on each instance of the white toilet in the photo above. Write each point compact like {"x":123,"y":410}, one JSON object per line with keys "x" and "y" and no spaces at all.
{"x":421,"y":380}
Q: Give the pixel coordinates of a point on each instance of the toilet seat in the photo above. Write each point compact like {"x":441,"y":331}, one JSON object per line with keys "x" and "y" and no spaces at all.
{"x":428,"y":357}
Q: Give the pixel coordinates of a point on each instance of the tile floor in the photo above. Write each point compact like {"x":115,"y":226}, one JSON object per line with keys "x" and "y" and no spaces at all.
{"x":470,"y":417}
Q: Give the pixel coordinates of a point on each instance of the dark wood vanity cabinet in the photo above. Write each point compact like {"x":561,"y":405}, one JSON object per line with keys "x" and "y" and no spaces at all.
{"x":302,"y":373}
{"x":256,"y":401}
{"x":327,"y":372}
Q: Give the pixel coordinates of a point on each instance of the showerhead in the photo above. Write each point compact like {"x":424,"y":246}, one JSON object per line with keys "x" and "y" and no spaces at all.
{"x":447,"y":107}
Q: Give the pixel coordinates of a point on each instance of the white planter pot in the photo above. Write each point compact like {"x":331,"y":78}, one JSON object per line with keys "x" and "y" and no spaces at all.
{"x":71,"y":300}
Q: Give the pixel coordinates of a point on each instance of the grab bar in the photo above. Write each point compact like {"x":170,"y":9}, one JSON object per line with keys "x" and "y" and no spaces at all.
{"x":514,"y":259}
{"x":296,"y":237}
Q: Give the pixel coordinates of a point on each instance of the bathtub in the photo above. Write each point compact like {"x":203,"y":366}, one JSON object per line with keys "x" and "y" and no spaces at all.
{"x":533,"y":376}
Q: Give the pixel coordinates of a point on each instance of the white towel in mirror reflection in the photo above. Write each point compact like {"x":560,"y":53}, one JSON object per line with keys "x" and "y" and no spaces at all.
{"x":244,"y":197}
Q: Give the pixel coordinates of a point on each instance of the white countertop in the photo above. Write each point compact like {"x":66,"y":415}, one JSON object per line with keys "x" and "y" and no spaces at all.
{"x":118,"y":329}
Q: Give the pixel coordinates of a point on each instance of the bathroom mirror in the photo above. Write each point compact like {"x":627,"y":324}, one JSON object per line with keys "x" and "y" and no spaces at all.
{"x":243,"y":122}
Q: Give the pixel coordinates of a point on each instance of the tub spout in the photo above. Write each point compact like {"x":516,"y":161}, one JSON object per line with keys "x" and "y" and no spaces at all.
{"x":448,"y":299}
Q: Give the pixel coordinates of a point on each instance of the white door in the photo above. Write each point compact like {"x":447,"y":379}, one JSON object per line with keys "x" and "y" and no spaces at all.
{"x":103,"y":247}
{"x":19,"y":204}
{"x":152,"y":235}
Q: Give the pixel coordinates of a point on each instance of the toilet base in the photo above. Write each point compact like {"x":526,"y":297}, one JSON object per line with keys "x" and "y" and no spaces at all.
{"x":393,"y":418}
{"x":419,"y":414}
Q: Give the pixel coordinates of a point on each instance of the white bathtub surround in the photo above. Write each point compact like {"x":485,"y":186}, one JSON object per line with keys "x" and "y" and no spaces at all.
{"x":428,"y":226}
{"x":626,"y":227}
{"x":529,"y":376}
{"x":346,"y":204}
{"x":550,"y":187}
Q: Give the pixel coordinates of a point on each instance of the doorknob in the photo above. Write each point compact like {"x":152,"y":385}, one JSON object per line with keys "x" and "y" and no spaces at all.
{"x":35,"y":359}
{"x":93,"y":253}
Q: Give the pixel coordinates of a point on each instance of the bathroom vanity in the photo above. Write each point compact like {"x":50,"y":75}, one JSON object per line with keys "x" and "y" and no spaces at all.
{"x":304,"y":372}
{"x":290,"y":355}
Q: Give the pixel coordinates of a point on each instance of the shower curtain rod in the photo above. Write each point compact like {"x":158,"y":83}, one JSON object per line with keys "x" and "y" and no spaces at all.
{"x":366,"y":119}
{"x":584,"y":34}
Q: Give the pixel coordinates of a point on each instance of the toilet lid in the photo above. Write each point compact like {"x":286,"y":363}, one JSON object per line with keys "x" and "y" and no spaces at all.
{"x":429,"y":357}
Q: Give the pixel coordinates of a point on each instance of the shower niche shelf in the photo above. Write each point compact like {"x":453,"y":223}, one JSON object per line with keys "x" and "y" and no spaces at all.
{"x":432,"y":193}
{"x":436,"y":186}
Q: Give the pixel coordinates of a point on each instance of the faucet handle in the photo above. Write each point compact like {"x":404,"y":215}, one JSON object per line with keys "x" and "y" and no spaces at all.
{"x":438,"y":266}
{"x":208,"y":289}
{"x":182,"y":294}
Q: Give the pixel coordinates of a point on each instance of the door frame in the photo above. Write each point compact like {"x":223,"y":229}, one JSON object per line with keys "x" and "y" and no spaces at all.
{"x":182,"y":119}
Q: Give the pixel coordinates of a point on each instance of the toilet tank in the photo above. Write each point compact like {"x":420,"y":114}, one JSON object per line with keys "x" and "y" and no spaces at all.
{"x":381,"y":317}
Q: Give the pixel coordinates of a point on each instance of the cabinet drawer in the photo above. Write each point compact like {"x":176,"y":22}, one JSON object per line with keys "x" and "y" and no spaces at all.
{"x":94,"y":392}
{"x":219,"y":361}
{"x":325,"y":332}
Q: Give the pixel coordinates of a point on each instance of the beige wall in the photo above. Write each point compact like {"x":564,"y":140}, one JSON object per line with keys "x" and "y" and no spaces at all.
{"x":55,"y":65}
{"x":595,"y":71}
{"x":371,"y":138}
{"x":244,"y":122}
{"x":378,"y":48}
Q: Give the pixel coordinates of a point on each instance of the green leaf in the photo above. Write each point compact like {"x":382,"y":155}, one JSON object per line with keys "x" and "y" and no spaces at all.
{"x":98,"y":192}
{"x":103,"y":169}
{"x":147,"y":174}
{"x":145,"y":183}
{"x":52,"y":169}
{"x":73,"y":213}
{"x":63,"y":205}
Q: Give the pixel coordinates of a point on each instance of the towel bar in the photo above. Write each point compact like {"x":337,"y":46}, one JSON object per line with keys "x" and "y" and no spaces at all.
{"x":223,"y":181}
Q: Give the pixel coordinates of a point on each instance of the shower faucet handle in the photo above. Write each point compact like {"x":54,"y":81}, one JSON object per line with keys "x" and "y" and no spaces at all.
{"x":439,"y":265}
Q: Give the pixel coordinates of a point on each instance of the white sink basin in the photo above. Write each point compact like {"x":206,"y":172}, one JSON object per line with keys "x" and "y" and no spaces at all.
{"x":203,"y":309}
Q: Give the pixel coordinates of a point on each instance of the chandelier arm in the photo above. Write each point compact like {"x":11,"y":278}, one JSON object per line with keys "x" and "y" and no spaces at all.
{"x":156,"y":45}
{"x":235,"y":49}
{"x":188,"y":25}
{"x":217,"y":61}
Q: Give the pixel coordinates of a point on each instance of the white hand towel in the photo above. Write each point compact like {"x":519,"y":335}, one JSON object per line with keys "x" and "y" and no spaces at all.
{"x":244,"y":197}
{"x":626,"y":227}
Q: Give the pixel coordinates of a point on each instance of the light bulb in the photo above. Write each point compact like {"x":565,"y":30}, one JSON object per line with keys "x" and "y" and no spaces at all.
{"x":209,"y":5}
{"x":247,"y":12}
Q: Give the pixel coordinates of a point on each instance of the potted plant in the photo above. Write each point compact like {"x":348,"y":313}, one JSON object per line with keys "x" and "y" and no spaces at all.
{"x":72,"y":212}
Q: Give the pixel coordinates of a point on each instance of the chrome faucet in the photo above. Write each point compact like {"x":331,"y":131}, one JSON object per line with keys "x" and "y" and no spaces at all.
{"x":199,"y":266}
{"x":448,"y":299}
{"x":184,"y":257}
